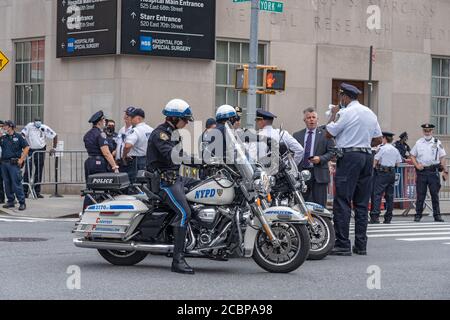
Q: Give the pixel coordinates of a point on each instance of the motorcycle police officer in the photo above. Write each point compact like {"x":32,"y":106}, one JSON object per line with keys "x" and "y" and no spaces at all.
{"x":386,"y":160}
{"x":2,"y":189}
{"x":100,"y":158}
{"x":356,"y":130}
{"x":162,"y":150}
{"x":428,"y":157}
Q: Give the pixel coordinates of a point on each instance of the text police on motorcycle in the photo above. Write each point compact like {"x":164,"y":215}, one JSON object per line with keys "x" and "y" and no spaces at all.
{"x":428,"y":156}
{"x":134,"y":155}
{"x":36,"y":133}
{"x":14,"y":153}
{"x":356,"y":130}
{"x":160,"y":158}
{"x":386,"y":160}
{"x":100,"y":159}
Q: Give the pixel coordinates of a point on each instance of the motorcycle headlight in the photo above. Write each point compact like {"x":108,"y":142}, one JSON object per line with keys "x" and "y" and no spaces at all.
{"x":306,"y":175}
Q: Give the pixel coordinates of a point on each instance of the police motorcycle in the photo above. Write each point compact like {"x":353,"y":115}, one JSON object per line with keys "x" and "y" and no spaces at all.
{"x":290,"y":183}
{"x":230,"y":215}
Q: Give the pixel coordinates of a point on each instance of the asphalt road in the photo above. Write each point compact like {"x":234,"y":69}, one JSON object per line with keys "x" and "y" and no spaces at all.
{"x":409,"y":269}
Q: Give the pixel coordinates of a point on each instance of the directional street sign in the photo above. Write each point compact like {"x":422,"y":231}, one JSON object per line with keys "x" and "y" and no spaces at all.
{"x":272,"y":6}
{"x":3,"y":61}
{"x":86,"y":27}
{"x":183,"y":29}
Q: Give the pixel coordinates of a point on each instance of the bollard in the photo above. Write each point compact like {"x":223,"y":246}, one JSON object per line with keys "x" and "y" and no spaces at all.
{"x":56,"y":194}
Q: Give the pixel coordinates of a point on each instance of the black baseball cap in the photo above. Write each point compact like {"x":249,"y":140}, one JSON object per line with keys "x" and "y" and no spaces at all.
{"x":138,"y":112}
{"x":10,"y":123}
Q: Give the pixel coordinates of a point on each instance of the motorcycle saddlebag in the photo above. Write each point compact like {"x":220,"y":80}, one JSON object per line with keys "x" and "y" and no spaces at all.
{"x":108,"y":182}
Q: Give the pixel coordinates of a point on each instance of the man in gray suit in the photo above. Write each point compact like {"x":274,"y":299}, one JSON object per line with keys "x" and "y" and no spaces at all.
{"x":318,"y":152}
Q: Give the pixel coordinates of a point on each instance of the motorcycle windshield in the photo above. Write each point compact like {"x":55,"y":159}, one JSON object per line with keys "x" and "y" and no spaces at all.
{"x":236,"y":147}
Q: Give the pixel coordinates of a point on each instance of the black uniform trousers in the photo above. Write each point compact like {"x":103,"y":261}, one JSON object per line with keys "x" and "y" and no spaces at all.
{"x":317,"y":192}
{"x":94,"y":165}
{"x":174,"y":195}
{"x":38,"y":161}
{"x":353,"y":185}
{"x":2,"y":188}
{"x":384,"y":183}
{"x":432,"y":180}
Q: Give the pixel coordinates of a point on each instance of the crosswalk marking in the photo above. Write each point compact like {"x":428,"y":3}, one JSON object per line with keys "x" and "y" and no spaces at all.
{"x":16,"y":220}
{"x":4,"y":218}
{"x":426,"y":239}
{"x":409,"y":231}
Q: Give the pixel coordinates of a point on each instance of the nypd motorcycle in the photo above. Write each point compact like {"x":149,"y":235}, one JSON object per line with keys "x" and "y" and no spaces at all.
{"x":290,"y":183}
{"x":230,"y":215}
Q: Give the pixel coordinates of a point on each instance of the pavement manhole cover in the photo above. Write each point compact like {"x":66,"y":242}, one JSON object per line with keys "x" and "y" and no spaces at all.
{"x":17,"y":239}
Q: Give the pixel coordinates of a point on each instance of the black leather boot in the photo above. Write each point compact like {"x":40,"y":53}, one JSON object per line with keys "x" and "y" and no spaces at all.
{"x":179,"y":264}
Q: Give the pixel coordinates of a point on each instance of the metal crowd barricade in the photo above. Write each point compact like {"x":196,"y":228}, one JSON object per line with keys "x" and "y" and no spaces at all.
{"x":60,"y":168}
{"x":405,"y":194}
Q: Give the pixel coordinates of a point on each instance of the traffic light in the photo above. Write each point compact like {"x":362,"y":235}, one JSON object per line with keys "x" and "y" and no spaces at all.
{"x":275,"y":80}
{"x":241,"y":79}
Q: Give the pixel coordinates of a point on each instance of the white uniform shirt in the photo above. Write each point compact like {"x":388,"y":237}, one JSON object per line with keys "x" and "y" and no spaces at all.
{"x":36,"y":137}
{"x":138,"y":137}
{"x":121,"y":137}
{"x":426,"y":152}
{"x":259,"y":150}
{"x":355,"y":127}
{"x":388,"y":156}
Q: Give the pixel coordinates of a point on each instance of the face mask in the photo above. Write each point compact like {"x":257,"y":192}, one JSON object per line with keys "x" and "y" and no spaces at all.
{"x":428,"y":138}
{"x":38,"y":124}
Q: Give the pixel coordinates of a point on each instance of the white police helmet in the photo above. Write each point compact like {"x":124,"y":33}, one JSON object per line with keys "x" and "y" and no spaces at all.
{"x":178,"y":108}
{"x":225,"y":112}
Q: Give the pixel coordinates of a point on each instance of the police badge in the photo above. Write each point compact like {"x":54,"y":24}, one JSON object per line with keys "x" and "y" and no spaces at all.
{"x":163,"y":136}
{"x":219,"y":192}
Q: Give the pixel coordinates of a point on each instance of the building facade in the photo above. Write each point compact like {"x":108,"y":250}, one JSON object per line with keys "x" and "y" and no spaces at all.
{"x":319,"y":42}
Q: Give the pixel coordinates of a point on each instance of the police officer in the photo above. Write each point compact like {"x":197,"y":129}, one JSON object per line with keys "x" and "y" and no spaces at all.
{"x":100,"y":159}
{"x":14,"y":153}
{"x":216,"y":146}
{"x":111,"y":136}
{"x":402,"y":146}
{"x":264,"y":123}
{"x":159,"y":158}
{"x":2,"y":189}
{"x":36,"y":133}
{"x":428,"y":157}
{"x":122,"y":135}
{"x":135,"y":152}
{"x":386,"y":160}
{"x":356,"y":130}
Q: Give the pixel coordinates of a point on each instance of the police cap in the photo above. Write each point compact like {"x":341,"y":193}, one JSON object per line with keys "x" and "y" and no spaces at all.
{"x":210,"y":122}
{"x":428,"y":126}
{"x":388,"y":134}
{"x":97,"y":117}
{"x":129,"y":111}
{"x":350,"y":90}
{"x":2,"y":122}
{"x":138,"y":112}
{"x":239,"y":111}
{"x":404,"y":135}
{"x":264,"y":115}
{"x":10,"y":123}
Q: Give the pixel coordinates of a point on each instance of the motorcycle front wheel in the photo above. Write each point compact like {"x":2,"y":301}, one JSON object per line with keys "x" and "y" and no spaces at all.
{"x":123,"y":258}
{"x":289,"y":255}
{"x":322,"y":238}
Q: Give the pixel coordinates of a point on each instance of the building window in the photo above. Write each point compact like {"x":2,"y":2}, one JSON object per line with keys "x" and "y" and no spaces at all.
{"x":440,"y":93}
{"x":229,"y":57}
{"x":29,"y":80}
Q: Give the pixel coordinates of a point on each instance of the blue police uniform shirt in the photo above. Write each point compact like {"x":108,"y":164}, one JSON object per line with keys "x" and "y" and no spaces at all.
{"x":94,"y":140}
{"x":160,"y":147}
{"x":355,"y":127}
{"x":12,"y":146}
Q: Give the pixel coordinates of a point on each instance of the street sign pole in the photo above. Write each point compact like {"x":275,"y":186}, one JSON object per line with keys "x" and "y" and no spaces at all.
{"x":369,"y":104}
{"x":252,"y":68}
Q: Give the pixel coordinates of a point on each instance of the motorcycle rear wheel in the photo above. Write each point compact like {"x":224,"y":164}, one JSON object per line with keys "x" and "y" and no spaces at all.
{"x":123,"y":258}
{"x":323,"y":242}
{"x":292,"y":253}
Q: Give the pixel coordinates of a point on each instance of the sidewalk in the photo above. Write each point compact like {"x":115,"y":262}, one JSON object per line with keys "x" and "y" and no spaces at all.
{"x":70,"y":206}
{"x":49,"y":208}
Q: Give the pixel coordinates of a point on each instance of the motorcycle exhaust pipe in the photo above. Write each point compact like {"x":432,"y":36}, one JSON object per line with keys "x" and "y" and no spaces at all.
{"x":133,"y":246}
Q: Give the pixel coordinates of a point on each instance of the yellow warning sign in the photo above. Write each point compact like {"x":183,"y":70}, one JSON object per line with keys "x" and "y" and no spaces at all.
{"x":3,"y":61}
